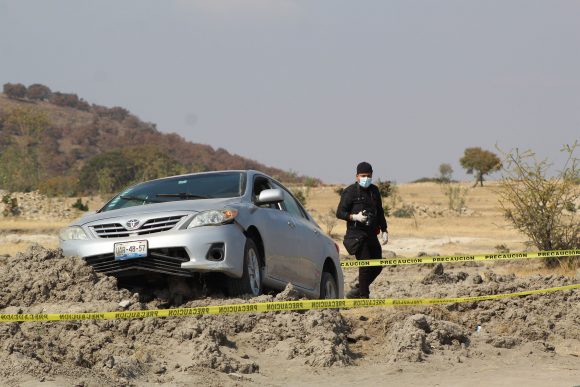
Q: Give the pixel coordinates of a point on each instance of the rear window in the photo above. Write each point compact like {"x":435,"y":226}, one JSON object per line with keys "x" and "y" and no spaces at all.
{"x":190,"y":187}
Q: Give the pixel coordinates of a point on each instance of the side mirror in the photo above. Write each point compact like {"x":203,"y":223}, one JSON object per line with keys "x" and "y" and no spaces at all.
{"x":270,"y":196}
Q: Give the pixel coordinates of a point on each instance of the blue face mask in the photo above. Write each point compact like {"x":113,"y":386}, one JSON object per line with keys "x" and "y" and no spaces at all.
{"x":365,"y":182}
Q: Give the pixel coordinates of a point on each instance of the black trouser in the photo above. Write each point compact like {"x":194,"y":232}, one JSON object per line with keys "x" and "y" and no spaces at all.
{"x":370,"y":249}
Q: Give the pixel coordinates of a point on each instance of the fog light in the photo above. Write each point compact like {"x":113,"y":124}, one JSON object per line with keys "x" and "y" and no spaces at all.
{"x":216,"y":252}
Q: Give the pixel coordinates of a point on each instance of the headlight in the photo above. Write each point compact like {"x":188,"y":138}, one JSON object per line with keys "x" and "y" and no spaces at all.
{"x":213,"y":217}
{"x":73,"y":233}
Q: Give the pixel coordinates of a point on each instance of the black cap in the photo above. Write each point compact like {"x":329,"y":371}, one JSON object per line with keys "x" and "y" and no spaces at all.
{"x":364,"y":167}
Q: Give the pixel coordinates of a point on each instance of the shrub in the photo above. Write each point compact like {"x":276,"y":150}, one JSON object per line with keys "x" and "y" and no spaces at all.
{"x":455,"y":196}
{"x":329,"y":220}
{"x":10,"y":206}
{"x":14,"y":90}
{"x":300,"y":196}
{"x":38,"y":92}
{"x":406,"y":211}
{"x":79,"y":205}
{"x":537,"y":204}
{"x":69,"y":100}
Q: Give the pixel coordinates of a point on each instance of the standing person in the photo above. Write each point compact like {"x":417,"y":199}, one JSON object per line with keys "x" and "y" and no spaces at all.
{"x":362,"y":208}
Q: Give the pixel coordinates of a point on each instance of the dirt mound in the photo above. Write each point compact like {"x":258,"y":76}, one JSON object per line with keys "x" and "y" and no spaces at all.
{"x":417,"y":336}
{"x":119,"y":351}
{"x":40,"y":275}
{"x":438,"y":276}
{"x":510,"y":321}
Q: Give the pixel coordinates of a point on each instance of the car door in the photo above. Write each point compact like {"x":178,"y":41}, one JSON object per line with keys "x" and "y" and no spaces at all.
{"x":276,"y":228}
{"x":303,"y":265}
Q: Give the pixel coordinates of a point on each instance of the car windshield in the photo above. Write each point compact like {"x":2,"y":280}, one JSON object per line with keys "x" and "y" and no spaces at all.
{"x":190,"y":187}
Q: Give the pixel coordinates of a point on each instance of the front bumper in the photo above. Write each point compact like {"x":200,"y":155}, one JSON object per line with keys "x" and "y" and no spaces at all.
{"x":176,"y":252}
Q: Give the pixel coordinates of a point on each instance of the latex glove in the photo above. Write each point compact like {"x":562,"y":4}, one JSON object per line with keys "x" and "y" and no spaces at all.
{"x":359,"y":217}
{"x":384,"y":237}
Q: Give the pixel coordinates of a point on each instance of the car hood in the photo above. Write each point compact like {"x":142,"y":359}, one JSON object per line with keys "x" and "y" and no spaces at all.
{"x":148,"y":209}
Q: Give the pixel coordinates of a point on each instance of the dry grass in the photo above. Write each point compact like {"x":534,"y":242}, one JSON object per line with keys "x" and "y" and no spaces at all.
{"x":24,"y":225}
{"x":524,"y":269}
{"x":477,"y":233}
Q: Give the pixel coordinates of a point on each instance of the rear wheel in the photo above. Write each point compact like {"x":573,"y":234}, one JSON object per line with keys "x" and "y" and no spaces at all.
{"x":251,"y":281}
{"x":328,"y":287}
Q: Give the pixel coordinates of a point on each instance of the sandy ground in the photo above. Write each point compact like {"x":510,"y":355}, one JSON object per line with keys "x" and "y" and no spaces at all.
{"x":533,"y":340}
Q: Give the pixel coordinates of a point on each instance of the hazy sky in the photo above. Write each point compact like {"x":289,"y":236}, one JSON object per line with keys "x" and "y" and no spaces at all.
{"x":316,"y":86}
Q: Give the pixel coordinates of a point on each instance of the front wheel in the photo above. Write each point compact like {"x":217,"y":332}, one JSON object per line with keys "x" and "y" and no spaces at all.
{"x":328,"y":287}
{"x":251,"y":281}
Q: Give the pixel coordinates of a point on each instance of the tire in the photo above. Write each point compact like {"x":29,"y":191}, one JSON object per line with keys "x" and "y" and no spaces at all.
{"x":251,"y":280}
{"x":328,"y":286}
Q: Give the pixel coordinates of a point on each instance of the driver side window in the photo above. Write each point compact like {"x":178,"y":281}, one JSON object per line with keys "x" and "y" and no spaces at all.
{"x":292,"y":205}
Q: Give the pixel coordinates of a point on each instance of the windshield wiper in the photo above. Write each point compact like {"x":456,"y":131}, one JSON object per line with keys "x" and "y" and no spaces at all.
{"x":136,"y":198}
{"x":182,"y":195}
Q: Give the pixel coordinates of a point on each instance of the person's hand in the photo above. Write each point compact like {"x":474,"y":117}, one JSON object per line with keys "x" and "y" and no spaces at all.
{"x":384,"y":237}
{"x":360,"y":217}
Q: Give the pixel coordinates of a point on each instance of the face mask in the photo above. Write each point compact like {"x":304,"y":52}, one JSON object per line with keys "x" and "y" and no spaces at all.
{"x":365,"y":182}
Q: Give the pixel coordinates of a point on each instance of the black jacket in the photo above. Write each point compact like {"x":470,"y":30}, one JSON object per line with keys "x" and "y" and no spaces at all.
{"x":354,"y":199}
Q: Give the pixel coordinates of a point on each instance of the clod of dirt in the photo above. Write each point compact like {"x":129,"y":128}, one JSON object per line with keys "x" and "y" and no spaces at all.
{"x":438,"y":276}
{"x":504,"y":342}
{"x":290,"y":293}
{"x":418,"y":335}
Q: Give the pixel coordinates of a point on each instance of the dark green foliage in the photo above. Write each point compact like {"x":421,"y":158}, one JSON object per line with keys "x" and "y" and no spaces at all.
{"x":79,"y":205}
{"x":480,"y":162}
{"x":116,"y":169}
{"x":10,"y":206}
{"x":14,"y":90}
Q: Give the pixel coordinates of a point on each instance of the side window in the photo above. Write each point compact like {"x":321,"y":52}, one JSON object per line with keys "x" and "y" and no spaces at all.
{"x":292,"y":205}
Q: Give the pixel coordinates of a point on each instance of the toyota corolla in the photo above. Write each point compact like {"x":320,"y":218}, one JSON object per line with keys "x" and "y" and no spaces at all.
{"x":243,"y":224}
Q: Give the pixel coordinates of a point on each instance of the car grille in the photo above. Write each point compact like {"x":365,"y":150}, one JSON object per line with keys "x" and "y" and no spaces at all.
{"x":116,"y":230}
{"x":166,"y":261}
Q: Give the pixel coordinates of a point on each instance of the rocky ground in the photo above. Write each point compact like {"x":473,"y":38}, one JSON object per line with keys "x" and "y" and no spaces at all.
{"x":535,"y":335}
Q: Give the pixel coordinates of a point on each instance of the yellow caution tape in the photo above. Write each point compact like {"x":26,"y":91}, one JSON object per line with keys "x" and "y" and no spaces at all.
{"x":459,"y":258}
{"x":269,"y":307}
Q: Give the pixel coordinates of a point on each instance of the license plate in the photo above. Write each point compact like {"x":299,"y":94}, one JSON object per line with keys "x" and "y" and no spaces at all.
{"x":130,"y":250}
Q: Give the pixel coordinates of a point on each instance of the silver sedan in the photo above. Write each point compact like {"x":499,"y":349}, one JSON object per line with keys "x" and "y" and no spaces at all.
{"x":243,"y":224}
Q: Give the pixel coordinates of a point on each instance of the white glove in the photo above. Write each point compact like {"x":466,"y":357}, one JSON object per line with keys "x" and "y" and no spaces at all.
{"x":384,"y":237}
{"x":359,"y":217}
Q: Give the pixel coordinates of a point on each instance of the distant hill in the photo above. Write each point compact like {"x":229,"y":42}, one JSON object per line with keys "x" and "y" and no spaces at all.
{"x":60,"y":144}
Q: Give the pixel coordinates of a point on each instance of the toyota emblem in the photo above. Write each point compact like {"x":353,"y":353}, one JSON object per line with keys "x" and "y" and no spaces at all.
{"x":133,"y":224}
